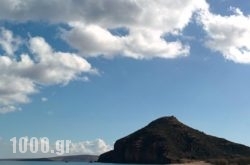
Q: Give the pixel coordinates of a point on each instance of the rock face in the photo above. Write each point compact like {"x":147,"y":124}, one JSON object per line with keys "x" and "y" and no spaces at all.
{"x":166,"y":140}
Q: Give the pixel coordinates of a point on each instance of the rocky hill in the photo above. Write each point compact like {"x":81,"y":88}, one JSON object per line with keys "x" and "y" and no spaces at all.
{"x":167,"y":140}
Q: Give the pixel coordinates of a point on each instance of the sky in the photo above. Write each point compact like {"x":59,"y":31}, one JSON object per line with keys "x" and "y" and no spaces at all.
{"x":94,"y":71}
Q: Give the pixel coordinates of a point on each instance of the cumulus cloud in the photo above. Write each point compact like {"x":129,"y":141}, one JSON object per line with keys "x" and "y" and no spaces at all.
{"x":155,"y":14}
{"x":22,"y":74}
{"x":229,"y":35}
{"x":95,"y":147}
{"x":93,"y":40}
{"x":53,"y":67}
{"x":90,"y":24}
{"x":8,"y":42}
{"x":14,"y":89}
{"x":147,"y":21}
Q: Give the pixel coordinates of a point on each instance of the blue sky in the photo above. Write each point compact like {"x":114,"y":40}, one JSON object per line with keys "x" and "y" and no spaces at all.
{"x":66,"y":75}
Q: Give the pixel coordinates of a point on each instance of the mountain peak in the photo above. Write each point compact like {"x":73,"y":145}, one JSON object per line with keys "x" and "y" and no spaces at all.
{"x":167,"y":140}
{"x":165,"y":120}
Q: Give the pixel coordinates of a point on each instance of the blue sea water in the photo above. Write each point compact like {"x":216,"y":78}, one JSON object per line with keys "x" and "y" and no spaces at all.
{"x":47,"y":163}
{"x":61,"y":163}
{"x":64,"y":163}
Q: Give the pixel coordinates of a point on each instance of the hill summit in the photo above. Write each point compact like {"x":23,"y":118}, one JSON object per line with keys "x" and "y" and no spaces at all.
{"x":167,"y":140}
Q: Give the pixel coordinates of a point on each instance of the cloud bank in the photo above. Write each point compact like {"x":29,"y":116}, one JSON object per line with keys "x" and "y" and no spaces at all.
{"x":95,"y":147}
{"x":22,"y":74}
{"x":229,"y":35}
{"x":96,"y":28}
{"x":147,"y":22}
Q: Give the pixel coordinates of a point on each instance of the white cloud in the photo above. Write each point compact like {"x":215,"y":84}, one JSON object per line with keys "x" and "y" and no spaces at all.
{"x":90,"y":21}
{"x":14,"y":90}
{"x":55,"y":67}
{"x":21,"y":75}
{"x":148,"y":21}
{"x":44,"y":99}
{"x":93,"y":40}
{"x":95,"y":147}
{"x":92,"y":147}
{"x":8,"y":43}
{"x":155,"y":14}
{"x":147,"y":43}
{"x":229,"y":35}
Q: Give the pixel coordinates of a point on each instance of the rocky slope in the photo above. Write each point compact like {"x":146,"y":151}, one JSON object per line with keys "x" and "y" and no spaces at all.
{"x":166,"y":140}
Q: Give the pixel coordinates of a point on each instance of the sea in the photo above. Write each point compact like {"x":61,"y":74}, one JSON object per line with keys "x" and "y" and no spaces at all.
{"x":73,"y":163}
{"x":48,"y":163}
{"x":52,"y":163}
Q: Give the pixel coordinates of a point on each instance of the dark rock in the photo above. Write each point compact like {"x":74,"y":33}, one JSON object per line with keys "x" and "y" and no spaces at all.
{"x":166,"y":140}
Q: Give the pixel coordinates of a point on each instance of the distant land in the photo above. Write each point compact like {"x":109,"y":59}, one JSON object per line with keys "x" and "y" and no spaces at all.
{"x":70,"y":158}
{"x":167,"y":140}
